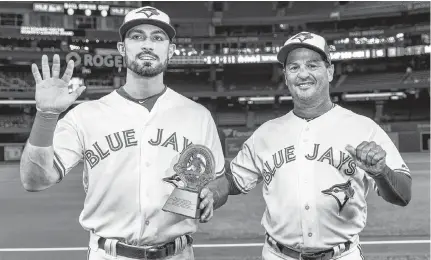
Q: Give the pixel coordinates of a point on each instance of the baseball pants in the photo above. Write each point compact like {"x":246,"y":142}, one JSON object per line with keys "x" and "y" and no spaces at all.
{"x":271,"y":253}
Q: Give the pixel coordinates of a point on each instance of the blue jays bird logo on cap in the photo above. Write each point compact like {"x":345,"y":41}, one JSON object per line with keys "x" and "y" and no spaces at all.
{"x":303,"y":36}
{"x":148,"y":11}
{"x":341,"y":193}
{"x":147,"y":15}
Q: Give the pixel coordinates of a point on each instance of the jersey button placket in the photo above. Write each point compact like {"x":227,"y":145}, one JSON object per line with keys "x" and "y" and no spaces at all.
{"x":306,"y":133}
{"x":308,"y":192}
{"x":144,"y":168}
{"x":303,"y":183}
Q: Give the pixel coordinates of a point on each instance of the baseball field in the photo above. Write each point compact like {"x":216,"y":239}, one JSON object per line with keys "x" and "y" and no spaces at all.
{"x":44,"y":225}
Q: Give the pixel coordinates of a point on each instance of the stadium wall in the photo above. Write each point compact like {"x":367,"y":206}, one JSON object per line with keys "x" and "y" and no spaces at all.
{"x":407,"y":136}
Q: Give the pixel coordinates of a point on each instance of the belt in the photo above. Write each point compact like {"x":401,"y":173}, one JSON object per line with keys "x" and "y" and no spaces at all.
{"x":156,"y":252}
{"x":321,"y":255}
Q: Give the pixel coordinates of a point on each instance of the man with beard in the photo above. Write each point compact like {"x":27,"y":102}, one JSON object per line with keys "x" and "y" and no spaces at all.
{"x":128,"y":141}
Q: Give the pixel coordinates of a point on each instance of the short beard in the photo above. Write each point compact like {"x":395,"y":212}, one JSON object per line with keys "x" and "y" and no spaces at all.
{"x":146,"y":70}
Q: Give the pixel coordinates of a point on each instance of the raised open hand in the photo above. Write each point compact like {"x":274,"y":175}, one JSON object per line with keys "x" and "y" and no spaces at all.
{"x":53,"y":94}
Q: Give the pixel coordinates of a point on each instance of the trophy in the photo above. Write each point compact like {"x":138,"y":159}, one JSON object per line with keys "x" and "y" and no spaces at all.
{"x":193,"y":171}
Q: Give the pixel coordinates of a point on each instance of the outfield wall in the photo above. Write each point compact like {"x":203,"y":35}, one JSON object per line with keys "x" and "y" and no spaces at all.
{"x":407,"y":136}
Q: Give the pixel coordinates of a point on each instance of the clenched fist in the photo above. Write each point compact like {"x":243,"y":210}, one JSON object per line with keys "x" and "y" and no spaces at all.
{"x":369,"y":156}
{"x":52,"y":92}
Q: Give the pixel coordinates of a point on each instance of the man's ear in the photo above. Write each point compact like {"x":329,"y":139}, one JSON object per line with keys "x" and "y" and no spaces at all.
{"x":172,"y":48}
{"x":121,"y":48}
{"x":330,"y":71}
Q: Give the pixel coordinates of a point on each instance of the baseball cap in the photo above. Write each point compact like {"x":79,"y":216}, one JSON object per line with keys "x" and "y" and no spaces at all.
{"x":306,"y":40}
{"x":147,"y":15}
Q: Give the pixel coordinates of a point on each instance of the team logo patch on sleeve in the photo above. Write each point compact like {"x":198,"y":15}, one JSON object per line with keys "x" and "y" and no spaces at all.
{"x":341,"y":193}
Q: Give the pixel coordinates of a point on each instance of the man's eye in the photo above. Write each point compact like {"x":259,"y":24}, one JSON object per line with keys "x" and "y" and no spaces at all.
{"x":136,"y":37}
{"x":158,"y":38}
{"x":293,"y":68}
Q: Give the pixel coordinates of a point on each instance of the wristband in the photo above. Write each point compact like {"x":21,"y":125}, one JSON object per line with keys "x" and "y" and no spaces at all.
{"x":42,"y":132}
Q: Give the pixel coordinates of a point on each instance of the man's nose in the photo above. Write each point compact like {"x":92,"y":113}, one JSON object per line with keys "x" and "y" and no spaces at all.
{"x":147,"y":45}
{"x":303,"y":72}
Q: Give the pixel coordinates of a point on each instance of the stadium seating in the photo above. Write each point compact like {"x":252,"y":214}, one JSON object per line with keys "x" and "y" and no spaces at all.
{"x":102,"y":82}
{"x":358,"y":7}
{"x":303,"y":8}
{"x":378,"y":81}
{"x":180,"y":10}
{"x":188,"y":82}
{"x":15,"y":121}
{"x":239,"y":9}
{"x":248,"y":77}
{"x":16,"y":82}
{"x":231,"y":119}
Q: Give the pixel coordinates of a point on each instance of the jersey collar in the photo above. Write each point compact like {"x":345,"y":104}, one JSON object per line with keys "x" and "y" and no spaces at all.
{"x":148,"y":102}
{"x":312,"y":118}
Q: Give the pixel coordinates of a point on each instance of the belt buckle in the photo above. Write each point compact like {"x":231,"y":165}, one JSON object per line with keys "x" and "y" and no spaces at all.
{"x":305,"y":256}
{"x":147,"y":251}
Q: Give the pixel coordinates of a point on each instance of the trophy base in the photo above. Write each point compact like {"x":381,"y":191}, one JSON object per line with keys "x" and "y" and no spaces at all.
{"x":183,"y":202}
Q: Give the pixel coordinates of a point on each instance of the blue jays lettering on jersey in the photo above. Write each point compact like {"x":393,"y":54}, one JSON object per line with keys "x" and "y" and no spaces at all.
{"x":127,"y":151}
{"x":342,"y":161}
{"x":314,"y":192}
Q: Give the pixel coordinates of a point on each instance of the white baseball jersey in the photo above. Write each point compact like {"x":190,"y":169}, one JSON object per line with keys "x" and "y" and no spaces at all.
{"x":127,"y":150}
{"x":314,"y":193}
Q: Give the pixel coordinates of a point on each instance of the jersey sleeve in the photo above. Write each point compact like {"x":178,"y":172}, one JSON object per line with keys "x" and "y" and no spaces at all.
{"x":394,"y":159}
{"x":393,"y":156}
{"x":68,"y":149}
{"x":244,"y":167}
{"x":212,"y":141}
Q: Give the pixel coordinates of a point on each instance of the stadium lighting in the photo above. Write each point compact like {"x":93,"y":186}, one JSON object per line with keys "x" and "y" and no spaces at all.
{"x":256,"y":99}
{"x":372,"y":96}
{"x":88,"y":12}
{"x":70,"y":11}
{"x":104,"y":13}
{"x":285,"y":98}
